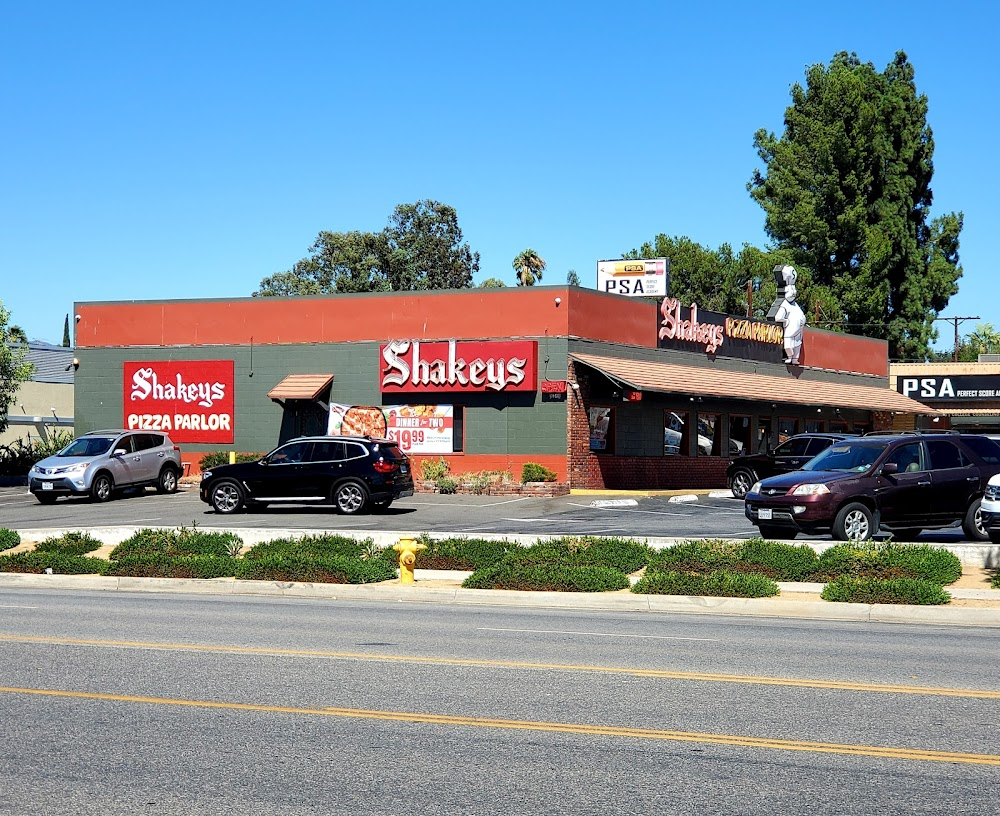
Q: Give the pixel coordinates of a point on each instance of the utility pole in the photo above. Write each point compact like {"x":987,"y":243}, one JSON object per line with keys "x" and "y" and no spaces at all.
{"x":956,"y":321}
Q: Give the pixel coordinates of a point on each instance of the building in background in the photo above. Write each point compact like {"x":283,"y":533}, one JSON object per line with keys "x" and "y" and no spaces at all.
{"x":966,"y":395}
{"x":45,"y":402}
{"x":607,"y":391}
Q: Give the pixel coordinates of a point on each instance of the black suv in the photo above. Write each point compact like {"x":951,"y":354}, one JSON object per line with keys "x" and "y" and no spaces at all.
{"x":904,"y":483}
{"x":790,"y":455}
{"x":350,"y":472}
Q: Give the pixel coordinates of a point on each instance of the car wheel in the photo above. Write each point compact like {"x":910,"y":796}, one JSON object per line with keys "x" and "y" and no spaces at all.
{"x":227,"y":497}
{"x":854,"y":522}
{"x":102,"y":488}
{"x":770,"y":531}
{"x":907,"y":535}
{"x":381,"y":506}
{"x":740,"y":483}
{"x":972,"y":525}
{"x":46,"y":498}
{"x":167,"y":483}
{"x":350,"y":498}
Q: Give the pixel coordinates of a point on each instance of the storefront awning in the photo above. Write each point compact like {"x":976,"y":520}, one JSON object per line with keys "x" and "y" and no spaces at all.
{"x":300,"y":387}
{"x":680,"y":379}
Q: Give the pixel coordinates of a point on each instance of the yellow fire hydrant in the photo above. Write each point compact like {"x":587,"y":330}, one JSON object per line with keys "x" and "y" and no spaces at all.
{"x":407,"y":549}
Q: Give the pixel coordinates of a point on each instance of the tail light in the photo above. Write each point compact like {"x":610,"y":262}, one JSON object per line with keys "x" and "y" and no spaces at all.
{"x":381,"y":466}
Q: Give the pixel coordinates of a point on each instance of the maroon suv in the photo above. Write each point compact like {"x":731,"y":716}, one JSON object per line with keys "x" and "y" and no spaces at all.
{"x":904,"y":483}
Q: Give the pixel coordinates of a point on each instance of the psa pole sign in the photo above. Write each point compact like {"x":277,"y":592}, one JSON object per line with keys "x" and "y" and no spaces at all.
{"x":640,"y":278}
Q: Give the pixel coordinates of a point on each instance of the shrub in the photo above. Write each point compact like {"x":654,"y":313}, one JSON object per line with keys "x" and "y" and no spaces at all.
{"x":446,"y":484}
{"x":333,"y":569}
{"x":17,"y":458}
{"x":9,"y":539}
{"x":433,"y":469}
{"x":850,"y":589}
{"x":69,"y":543}
{"x":216,"y":458}
{"x":462,"y":553}
{"x":532,"y":472}
{"x":888,"y":560}
{"x":718,"y":583}
{"x":776,"y":560}
{"x":162,"y":565}
{"x":619,"y":554}
{"x":186,"y":541}
{"x":315,"y":546}
{"x":60,"y":563}
{"x":547,"y":577}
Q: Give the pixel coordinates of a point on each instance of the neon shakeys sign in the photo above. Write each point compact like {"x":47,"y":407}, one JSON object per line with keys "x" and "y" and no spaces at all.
{"x":455,"y":366}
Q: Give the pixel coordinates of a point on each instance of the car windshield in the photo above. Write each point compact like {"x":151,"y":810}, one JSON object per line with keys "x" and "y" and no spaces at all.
{"x":846,"y":458}
{"x":88,"y":446}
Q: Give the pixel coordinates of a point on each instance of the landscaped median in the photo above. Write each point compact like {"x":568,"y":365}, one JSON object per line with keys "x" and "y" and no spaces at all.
{"x":862,"y":573}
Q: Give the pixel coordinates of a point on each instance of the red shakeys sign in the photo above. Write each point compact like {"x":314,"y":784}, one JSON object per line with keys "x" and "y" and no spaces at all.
{"x":191,"y":400}
{"x":473,"y":366}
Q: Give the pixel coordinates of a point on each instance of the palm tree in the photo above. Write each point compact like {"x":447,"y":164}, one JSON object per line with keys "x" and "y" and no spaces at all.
{"x":529,"y":266}
{"x":17,"y":335}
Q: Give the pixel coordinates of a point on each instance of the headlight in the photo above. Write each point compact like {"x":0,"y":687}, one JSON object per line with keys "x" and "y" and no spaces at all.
{"x":80,"y":468}
{"x":206,"y":474}
{"x":755,"y":488}
{"x":810,"y":490}
{"x":992,"y":492}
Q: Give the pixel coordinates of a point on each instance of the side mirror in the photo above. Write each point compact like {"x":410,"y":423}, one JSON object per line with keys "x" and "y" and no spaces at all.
{"x":119,"y":452}
{"x":889,"y":468}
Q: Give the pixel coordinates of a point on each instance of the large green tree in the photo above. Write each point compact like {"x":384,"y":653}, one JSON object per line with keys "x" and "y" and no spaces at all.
{"x":14,"y":370}
{"x":529,"y":266}
{"x":420,"y":248}
{"x":846,"y":190}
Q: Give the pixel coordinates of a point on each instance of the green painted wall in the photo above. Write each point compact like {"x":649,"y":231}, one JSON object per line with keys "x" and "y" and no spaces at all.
{"x":503,"y":423}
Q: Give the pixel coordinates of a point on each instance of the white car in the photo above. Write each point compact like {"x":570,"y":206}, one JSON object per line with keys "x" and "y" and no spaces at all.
{"x":990,"y":509}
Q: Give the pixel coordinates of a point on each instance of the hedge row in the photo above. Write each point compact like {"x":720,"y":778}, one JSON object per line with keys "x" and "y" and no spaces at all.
{"x":8,"y":539}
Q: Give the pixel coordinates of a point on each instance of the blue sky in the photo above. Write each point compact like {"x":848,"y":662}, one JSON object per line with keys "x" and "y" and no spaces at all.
{"x":188,"y":150}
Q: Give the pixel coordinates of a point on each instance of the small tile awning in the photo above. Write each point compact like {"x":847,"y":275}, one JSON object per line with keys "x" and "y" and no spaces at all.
{"x":300,"y":387}
{"x":680,"y":379}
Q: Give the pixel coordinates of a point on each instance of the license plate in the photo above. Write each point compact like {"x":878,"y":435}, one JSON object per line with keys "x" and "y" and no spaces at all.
{"x":46,"y":485}
{"x":404,"y":469}
{"x":764,"y":514}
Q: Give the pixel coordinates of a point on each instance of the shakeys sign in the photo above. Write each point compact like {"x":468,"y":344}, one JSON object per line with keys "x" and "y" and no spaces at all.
{"x":191,"y":400}
{"x":689,"y":329}
{"x":458,"y":366}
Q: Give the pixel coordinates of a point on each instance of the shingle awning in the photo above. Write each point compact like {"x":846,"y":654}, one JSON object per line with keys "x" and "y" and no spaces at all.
{"x":300,"y":387}
{"x":680,"y":379}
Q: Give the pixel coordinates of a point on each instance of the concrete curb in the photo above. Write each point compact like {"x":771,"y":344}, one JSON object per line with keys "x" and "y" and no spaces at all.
{"x":594,"y":601}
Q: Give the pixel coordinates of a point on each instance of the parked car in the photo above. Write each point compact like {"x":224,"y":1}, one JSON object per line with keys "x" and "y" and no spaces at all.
{"x":990,"y":510}
{"x":102,"y":462}
{"x":790,"y":455}
{"x":904,"y":483}
{"x":349,"y":472}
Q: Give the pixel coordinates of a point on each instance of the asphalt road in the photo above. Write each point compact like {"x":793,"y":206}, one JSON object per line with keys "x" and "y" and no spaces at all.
{"x":611,"y":514}
{"x":142,"y":703}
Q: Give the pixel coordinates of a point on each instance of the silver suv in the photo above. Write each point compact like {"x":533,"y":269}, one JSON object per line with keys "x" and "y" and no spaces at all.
{"x":101,"y":462}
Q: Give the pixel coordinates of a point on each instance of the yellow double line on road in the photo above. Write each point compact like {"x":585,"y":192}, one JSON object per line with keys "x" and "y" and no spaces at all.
{"x":746,"y":679}
{"x":550,"y":727}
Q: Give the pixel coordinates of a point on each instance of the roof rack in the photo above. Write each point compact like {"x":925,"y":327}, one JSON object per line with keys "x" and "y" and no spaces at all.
{"x":919,"y":432}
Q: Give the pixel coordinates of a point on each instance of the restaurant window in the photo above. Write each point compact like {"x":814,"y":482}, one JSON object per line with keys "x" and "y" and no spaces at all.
{"x":814,"y":426}
{"x":763,"y":435}
{"x":861,"y":427}
{"x":740,"y":441}
{"x":838,"y":425}
{"x":675,"y":433}
{"x":602,"y":430}
{"x":709,"y":434}
{"x":787,"y":427}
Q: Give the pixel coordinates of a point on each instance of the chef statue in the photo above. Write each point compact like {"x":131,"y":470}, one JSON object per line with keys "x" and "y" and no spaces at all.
{"x":788,"y":313}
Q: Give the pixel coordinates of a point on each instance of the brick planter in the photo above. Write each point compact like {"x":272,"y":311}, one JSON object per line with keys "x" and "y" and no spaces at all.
{"x":528,"y":489}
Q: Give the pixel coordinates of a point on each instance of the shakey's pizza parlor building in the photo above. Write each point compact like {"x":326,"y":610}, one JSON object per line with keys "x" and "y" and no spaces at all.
{"x":605,"y":390}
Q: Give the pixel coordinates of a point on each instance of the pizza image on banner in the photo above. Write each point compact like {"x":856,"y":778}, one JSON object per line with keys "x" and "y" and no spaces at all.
{"x":190,"y":400}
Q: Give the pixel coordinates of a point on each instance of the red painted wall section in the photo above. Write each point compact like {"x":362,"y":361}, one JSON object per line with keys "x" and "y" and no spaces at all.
{"x":844,"y":352}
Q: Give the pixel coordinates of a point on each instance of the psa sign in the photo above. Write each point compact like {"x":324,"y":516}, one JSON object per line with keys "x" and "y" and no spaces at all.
{"x":192,"y":400}
{"x":955,"y":387}
{"x":640,"y":278}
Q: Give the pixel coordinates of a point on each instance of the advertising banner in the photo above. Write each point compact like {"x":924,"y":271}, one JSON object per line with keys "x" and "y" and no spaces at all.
{"x":640,"y":278}
{"x":943,"y":388}
{"x":417,"y":429}
{"x":191,"y":400}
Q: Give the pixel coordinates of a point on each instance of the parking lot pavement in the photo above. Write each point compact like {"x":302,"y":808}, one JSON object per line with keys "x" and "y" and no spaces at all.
{"x":433,"y":513}
{"x":609,"y":514}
